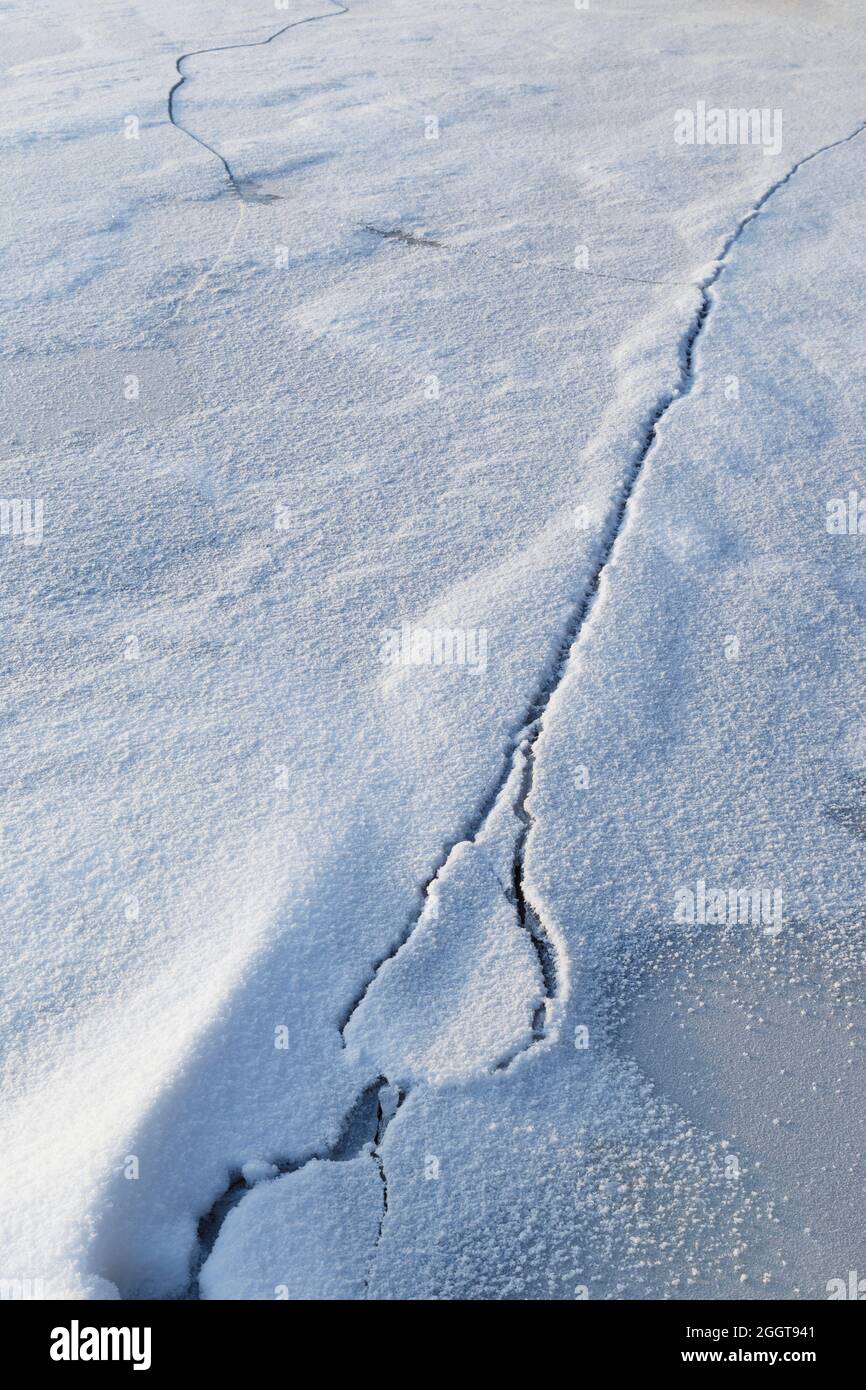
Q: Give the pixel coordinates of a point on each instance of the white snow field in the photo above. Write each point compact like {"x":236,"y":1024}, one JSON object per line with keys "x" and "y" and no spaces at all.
{"x":435,"y":784}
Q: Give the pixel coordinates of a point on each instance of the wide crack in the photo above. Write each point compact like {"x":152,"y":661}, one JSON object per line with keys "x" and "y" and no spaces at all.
{"x":529,"y":919}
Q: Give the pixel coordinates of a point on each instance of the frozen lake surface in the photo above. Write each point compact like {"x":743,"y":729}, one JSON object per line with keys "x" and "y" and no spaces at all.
{"x":432,"y":534}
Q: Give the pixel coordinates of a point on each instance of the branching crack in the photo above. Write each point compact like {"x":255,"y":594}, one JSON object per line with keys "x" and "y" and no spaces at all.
{"x":530,"y":727}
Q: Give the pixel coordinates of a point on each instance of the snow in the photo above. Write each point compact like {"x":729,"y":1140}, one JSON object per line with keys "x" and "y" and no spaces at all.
{"x":406,"y":378}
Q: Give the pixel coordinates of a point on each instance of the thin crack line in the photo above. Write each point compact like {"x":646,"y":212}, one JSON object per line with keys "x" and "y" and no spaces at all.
{"x":235,"y":183}
{"x":347,"y":1146}
{"x":389,"y":1102}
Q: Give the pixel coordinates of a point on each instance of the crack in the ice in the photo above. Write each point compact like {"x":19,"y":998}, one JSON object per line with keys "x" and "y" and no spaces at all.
{"x":362,"y":1131}
{"x":409,"y":238}
{"x":400,"y":234}
{"x":237,"y":185}
{"x":527,"y":915}
{"x":390,"y":1098}
{"x":530,"y":727}
{"x":524,"y":744}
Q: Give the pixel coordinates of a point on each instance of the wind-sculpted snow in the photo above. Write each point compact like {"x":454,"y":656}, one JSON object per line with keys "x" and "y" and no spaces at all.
{"x":364,"y":688}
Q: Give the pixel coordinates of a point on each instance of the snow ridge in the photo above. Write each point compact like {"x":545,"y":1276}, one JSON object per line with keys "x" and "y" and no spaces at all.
{"x":235,"y":183}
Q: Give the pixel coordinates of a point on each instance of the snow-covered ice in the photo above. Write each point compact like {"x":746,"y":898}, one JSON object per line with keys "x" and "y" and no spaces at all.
{"x":437,"y":596}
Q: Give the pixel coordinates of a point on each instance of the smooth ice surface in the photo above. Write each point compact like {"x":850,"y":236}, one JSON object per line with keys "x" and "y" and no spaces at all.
{"x":401,"y":374}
